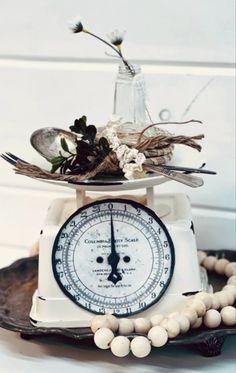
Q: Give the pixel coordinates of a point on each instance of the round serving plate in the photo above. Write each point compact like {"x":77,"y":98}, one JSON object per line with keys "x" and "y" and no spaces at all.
{"x":182,"y":156}
{"x":19,"y":281}
{"x":106,"y":184}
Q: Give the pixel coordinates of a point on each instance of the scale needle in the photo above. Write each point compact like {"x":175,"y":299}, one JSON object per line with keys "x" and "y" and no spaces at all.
{"x":113,"y":258}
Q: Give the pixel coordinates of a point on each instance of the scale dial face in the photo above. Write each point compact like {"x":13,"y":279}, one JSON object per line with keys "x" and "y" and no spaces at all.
{"x":113,"y":256}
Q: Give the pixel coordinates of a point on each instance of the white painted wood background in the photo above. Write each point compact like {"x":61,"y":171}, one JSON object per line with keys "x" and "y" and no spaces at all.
{"x":48,"y":77}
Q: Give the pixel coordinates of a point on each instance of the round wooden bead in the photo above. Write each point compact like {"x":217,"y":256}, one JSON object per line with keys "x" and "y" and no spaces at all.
{"x":198,"y":306}
{"x":142,"y":325}
{"x":212,"y":319}
{"x":215,"y":301}
{"x":172,"y":327}
{"x":114,"y":323}
{"x":120,"y":346}
{"x":230,"y":288}
{"x":228,"y":315}
{"x":158,"y":336}
{"x":205,"y":298}
{"x":209,"y":262}
{"x":220,"y":266}
{"x":156,"y":319}
{"x":183,"y":321}
{"x":163,"y":323}
{"x":126,"y":326}
{"x":99,"y":321}
{"x":140,"y":346}
{"x":103,"y":338}
{"x":230,"y":269}
{"x":198,"y":323}
{"x":232,"y":280}
{"x":173,"y":315}
{"x":191,"y":314}
{"x":223,"y":298}
{"x":201,"y":256}
{"x":230,"y":297}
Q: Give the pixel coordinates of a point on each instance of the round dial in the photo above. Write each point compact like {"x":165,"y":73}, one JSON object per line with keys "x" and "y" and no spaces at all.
{"x":113,"y":256}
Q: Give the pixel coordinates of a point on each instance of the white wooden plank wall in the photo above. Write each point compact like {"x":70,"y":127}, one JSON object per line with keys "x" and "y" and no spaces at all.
{"x":48,"y":77}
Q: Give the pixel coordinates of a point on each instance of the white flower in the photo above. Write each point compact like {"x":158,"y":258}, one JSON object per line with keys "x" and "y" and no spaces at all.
{"x":132,"y":171}
{"x":115,"y":144}
{"x":130,"y":159}
{"x":76,"y":25}
{"x":131,"y":155}
{"x":116,"y":37}
{"x":140,"y":159}
{"x":120,"y":152}
{"x":110,"y":133}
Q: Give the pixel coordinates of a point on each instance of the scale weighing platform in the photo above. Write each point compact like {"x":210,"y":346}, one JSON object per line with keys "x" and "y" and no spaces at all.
{"x":130,"y":256}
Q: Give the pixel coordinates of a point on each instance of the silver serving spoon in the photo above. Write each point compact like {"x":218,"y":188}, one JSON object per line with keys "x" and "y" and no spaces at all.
{"x":47,"y":141}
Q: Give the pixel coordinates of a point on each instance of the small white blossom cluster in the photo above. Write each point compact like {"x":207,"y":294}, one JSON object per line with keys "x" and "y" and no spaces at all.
{"x":75,"y":25}
{"x":130,"y":159}
{"x":116,"y":37}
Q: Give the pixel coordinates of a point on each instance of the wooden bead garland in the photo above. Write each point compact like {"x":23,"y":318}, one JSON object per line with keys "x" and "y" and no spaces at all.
{"x":228,"y":315}
{"x":209,"y":309}
{"x":140,"y":346}
{"x":120,"y":346}
{"x":103,"y":338}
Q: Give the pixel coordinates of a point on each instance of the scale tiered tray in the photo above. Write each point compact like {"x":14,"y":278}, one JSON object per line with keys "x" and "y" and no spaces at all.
{"x":19,"y":281}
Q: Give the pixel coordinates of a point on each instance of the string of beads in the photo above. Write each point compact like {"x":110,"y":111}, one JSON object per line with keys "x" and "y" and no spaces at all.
{"x":209,"y":309}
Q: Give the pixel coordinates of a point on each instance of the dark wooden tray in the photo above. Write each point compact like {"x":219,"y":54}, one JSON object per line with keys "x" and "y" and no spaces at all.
{"x":19,"y":281}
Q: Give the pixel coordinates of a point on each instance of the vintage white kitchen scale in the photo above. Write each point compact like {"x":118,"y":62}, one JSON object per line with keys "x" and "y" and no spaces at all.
{"x":115,"y":255}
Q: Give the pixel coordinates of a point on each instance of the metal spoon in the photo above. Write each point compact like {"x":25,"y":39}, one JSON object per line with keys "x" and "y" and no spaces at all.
{"x":47,"y":141}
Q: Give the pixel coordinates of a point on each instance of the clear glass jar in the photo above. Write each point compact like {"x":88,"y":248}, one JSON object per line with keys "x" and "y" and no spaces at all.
{"x":129,"y":99}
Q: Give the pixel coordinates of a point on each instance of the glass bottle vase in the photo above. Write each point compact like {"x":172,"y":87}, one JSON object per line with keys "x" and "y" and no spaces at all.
{"x":129,"y":99}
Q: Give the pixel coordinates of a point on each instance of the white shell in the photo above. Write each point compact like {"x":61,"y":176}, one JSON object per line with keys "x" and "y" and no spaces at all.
{"x":212,"y":319}
{"x":120,"y":346}
{"x":126,"y":326}
{"x":221,"y":265}
{"x":142,"y":325}
{"x":158,"y":336}
{"x":140,"y":346}
{"x":103,"y":338}
{"x":228,"y":315}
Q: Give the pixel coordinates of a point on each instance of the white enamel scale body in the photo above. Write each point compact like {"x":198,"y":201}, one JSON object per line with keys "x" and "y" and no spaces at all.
{"x":115,"y":256}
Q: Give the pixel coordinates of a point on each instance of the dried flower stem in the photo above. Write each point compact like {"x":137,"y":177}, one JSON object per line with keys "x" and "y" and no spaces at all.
{"x":117,"y":50}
